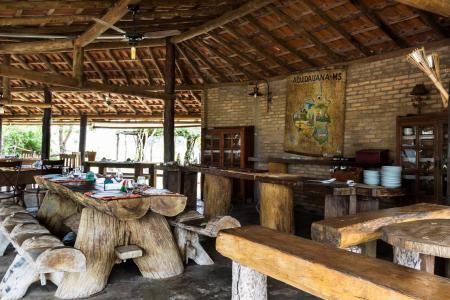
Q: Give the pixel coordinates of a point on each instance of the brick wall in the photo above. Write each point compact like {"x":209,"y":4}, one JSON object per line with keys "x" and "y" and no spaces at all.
{"x":376,"y":93}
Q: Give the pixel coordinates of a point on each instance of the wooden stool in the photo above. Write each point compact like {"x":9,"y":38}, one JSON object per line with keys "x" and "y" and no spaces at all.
{"x":417,"y":243}
{"x":190,"y":225}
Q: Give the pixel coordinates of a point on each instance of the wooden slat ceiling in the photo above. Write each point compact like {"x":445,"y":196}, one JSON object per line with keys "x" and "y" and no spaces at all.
{"x":284,"y":37}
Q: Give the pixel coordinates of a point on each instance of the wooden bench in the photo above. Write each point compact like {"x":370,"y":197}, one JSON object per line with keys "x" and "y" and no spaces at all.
{"x":318,"y":269}
{"x":187,"y":228}
{"x":352,"y":230}
{"x":40,"y":255}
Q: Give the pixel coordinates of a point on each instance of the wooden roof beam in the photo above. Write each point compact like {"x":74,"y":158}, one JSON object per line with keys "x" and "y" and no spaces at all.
{"x":430,"y":20}
{"x":226,"y":44}
{"x":118,"y":66}
{"x":113,"y":15}
{"x":234,"y":65}
{"x":242,"y":11}
{"x":37,"y":21}
{"x":299,"y":29}
{"x":336,"y":26}
{"x":263,"y":52}
{"x":51,"y":79}
{"x":156,"y":64}
{"x":439,"y":7}
{"x":147,"y":107}
{"x":96,"y":67}
{"x":144,"y":69}
{"x":279,"y":42}
{"x":47,"y":63}
{"x":205,"y":61}
{"x":375,"y":19}
{"x":66,"y":102}
{"x":182,"y":106}
{"x":127,"y":104}
{"x":191,"y":64}
{"x":18,"y":4}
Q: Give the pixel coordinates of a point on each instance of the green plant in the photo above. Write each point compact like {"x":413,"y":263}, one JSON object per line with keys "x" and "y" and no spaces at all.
{"x":19,"y":138}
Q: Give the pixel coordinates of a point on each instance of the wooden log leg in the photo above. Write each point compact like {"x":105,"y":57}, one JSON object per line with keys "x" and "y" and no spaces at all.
{"x":4,"y":242}
{"x":277,"y":207}
{"x":19,"y":276}
{"x":407,"y":258}
{"x":248,"y":284}
{"x":190,"y":247}
{"x":54,"y":210}
{"x":335,"y":206}
{"x":217,"y":195}
{"x":369,"y":248}
{"x":152,"y":234}
{"x":98,"y":235}
{"x":427,"y":263}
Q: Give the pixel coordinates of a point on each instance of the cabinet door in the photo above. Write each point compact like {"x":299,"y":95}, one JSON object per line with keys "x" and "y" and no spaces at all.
{"x":232,"y":149}
{"x":427,"y":139}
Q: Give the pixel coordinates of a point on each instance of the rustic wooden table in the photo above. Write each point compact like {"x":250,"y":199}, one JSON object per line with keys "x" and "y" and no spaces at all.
{"x":416,"y":244}
{"x":26,"y":176}
{"x":103,"y":225}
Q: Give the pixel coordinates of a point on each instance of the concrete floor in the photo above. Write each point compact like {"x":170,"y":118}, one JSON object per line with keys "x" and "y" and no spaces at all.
{"x":197,"y":282}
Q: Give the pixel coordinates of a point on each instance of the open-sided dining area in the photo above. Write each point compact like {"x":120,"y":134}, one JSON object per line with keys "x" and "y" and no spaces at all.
{"x":227,"y":149}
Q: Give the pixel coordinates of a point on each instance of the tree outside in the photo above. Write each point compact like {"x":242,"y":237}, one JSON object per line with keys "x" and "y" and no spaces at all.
{"x":18,"y":139}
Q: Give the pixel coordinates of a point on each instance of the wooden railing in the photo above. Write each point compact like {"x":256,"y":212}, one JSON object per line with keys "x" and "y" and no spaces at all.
{"x":318,"y":269}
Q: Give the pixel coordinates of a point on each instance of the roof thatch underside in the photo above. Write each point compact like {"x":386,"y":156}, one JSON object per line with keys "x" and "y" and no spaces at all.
{"x":284,"y":37}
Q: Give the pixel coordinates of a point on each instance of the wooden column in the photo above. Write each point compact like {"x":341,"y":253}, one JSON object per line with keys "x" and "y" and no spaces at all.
{"x":46,"y":124}
{"x":277,"y":207}
{"x":5,"y":83}
{"x":78,"y":65}
{"x":169,"y":104}
{"x":1,"y":135}
{"x":447,"y":199}
{"x":82,"y":143}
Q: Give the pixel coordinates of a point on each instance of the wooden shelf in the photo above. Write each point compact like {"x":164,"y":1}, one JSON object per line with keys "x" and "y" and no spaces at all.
{"x":322,"y":162}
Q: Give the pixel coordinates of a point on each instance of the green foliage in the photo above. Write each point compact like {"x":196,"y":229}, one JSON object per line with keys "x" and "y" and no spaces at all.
{"x":191,"y":133}
{"x":19,"y":138}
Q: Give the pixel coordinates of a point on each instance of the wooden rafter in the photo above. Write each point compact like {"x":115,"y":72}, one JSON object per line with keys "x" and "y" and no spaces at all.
{"x":380,"y":23}
{"x":234,"y":65}
{"x":430,"y":20}
{"x":66,"y":102}
{"x":205,"y":61}
{"x":47,"y":63}
{"x":298,"y":28}
{"x":188,"y":61}
{"x":278,"y":41}
{"x":127,"y":104}
{"x":78,"y":64}
{"x":37,"y":21}
{"x":51,"y":79}
{"x":22,"y":4}
{"x":237,"y":52}
{"x":180,"y":72}
{"x":113,"y":15}
{"x":182,"y":106}
{"x":118,"y":66}
{"x":337,"y":27}
{"x":156,"y":64}
{"x":147,"y":107}
{"x":6,"y":84}
{"x":243,"y":10}
{"x":260,"y":51}
{"x":144,"y":69}
{"x":96,"y":67}
{"x":439,"y":7}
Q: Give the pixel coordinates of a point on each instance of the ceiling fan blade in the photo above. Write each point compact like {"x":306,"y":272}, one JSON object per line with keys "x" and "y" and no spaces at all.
{"x":100,"y":21}
{"x":161,"y":34}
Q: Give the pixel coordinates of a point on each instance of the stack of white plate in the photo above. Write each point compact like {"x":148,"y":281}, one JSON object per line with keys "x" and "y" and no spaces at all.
{"x":391,"y":176}
{"x":371,"y":177}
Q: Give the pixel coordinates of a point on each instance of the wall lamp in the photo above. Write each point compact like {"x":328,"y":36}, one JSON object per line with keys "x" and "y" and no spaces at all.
{"x":256,"y":93}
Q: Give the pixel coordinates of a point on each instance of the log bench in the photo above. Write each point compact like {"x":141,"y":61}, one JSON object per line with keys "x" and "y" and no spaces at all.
{"x":40,"y":255}
{"x":187,"y":228}
{"x":352,"y":230}
{"x":320,"y":270}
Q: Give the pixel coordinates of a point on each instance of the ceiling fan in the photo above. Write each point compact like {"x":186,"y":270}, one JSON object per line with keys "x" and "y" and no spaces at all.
{"x":133,"y":37}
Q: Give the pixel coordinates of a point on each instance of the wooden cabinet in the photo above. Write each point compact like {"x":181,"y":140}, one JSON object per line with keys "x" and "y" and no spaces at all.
{"x":422,"y":152}
{"x":229,"y":147}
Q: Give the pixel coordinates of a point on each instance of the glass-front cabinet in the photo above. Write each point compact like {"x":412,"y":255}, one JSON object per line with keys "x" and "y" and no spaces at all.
{"x":422,"y":152}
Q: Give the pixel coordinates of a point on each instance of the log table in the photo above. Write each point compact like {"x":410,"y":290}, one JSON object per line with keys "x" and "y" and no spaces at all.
{"x":416,"y":244}
{"x":106,"y":227}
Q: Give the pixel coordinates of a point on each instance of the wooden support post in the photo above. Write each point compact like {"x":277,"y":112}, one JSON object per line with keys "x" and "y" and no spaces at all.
{"x":169,"y":104}
{"x":217,"y":195}
{"x":6,"y":93}
{"x":447,"y":199}
{"x":82,"y":142}
{"x":247,"y":283}
{"x":78,"y":64}
{"x":46,"y":125}
{"x":277,"y":207}
{"x":1,"y":134}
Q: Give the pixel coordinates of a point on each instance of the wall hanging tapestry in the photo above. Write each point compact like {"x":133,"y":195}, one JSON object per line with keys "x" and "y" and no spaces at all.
{"x":315,"y":108}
